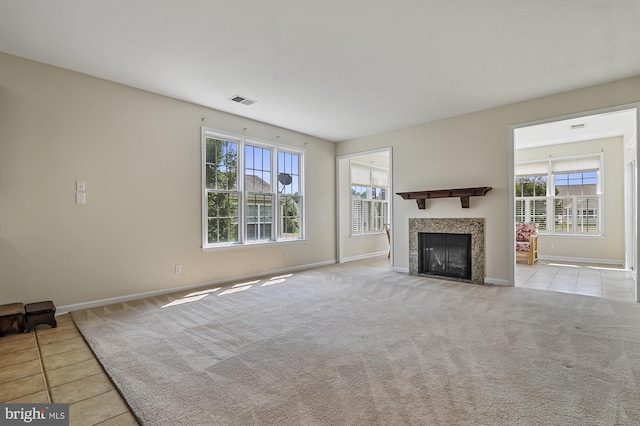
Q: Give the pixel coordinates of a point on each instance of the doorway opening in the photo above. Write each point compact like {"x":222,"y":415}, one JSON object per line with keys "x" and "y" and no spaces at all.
{"x":576,"y":178}
{"x":364,"y":205}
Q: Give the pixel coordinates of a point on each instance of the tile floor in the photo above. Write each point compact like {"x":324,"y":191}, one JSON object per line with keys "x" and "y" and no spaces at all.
{"x":56,"y":365}
{"x":608,"y":281}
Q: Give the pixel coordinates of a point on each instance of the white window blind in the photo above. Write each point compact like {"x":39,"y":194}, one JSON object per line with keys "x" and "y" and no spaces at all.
{"x":575,"y":165}
{"x":532,"y":169}
{"x":360,"y":174}
{"x":380,"y":177}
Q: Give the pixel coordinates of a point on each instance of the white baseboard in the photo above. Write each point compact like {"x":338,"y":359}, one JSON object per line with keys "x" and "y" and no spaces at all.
{"x":582,"y":260}
{"x":60,"y":310}
{"x":364,"y":256}
{"x":497,"y":281}
{"x":402,"y":270}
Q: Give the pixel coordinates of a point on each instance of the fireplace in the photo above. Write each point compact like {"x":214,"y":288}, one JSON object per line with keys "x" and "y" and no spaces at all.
{"x":475,"y":231}
{"x":444,"y":254}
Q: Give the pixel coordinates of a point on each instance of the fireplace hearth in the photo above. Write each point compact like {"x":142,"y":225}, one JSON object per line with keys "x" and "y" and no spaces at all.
{"x":473,"y":227}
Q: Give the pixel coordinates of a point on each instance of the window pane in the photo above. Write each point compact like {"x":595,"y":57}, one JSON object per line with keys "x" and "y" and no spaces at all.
{"x":562,"y":215}
{"x":587,"y":215}
{"x":229,"y":177}
{"x":259,"y":217}
{"x":266,"y":178}
{"x":531,"y":186}
{"x":254,"y":159}
{"x":257,"y":161}
{"x":366,"y":216}
{"x":358,"y":191}
{"x":379,"y":216}
{"x":577,"y":183}
{"x":211,"y":150}
{"x":266,"y":157}
{"x":222,"y":217}
{"x":212,"y":230}
{"x":591,"y":178}
{"x":356,"y":217}
{"x":211,"y":175}
{"x":295,"y":184}
{"x":378,"y":193}
{"x":257,"y":171}
{"x":288,"y":173}
{"x":520,"y":211}
{"x":284,"y":162}
{"x":385,"y":214}
{"x":221,"y":164}
{"x":290,"y":217}
{"x":248,"y":157}
{"x":539,"y":213}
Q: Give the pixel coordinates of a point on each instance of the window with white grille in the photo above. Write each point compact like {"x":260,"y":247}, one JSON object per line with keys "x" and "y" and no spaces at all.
{"x":252,"y":191}
{"x":563,"y":195}
{"x":369,"y":198}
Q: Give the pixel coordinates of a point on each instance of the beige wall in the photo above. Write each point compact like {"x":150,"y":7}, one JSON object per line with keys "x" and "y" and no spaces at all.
{"x":473,"y":150}
{"x":139,"y":154}
{"x":611,"y":246}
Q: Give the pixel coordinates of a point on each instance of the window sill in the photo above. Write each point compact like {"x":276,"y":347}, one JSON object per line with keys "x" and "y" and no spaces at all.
{"x":239,"y":246}
{"x":567,"y":235}
{"x":368,"y":234}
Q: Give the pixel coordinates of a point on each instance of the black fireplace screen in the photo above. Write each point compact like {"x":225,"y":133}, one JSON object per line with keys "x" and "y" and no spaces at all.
{"x":447,"y":255}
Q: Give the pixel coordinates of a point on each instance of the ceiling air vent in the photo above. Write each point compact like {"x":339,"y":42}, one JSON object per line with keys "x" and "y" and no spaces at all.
{"x":242,"y":100}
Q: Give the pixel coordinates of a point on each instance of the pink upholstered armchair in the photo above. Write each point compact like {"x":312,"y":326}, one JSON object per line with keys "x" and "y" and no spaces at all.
{"x":527,"y":241}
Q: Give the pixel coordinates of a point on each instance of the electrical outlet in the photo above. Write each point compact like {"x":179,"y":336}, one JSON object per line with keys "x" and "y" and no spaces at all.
{"x":178,"y":269}
{"x":551,"y":245}
{"x":286,"y":254}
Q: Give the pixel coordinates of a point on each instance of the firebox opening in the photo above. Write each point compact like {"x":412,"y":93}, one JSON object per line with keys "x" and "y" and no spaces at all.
{"x":444,"y":254}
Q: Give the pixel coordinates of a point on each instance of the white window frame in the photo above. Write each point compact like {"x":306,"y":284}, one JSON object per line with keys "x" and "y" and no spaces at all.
{"x":242,"y":142}
{"x":369,"y":201}
{"x":546,"y":167}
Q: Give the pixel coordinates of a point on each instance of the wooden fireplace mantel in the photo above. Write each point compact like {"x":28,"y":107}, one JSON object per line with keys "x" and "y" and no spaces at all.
{"x":463,"y":193}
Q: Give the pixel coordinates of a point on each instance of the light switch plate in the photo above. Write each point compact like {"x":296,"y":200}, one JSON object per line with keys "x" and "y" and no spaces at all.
{"x":81,"y":198}
{"x":80,"y":186}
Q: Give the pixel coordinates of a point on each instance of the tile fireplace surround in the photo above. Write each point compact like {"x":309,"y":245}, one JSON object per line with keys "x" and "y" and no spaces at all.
{"x":473,"y":226}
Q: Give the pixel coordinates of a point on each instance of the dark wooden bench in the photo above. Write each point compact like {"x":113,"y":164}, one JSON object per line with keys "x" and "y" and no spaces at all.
{"x":39,"y":313}
{"x":11,"y":316}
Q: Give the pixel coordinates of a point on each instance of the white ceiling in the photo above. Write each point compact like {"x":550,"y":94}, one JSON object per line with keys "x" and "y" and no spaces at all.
{"x":335,"y":69}
{"x":597,"y":126}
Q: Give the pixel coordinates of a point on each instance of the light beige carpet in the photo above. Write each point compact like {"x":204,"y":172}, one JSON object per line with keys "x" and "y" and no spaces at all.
{"x":355,"y":345}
